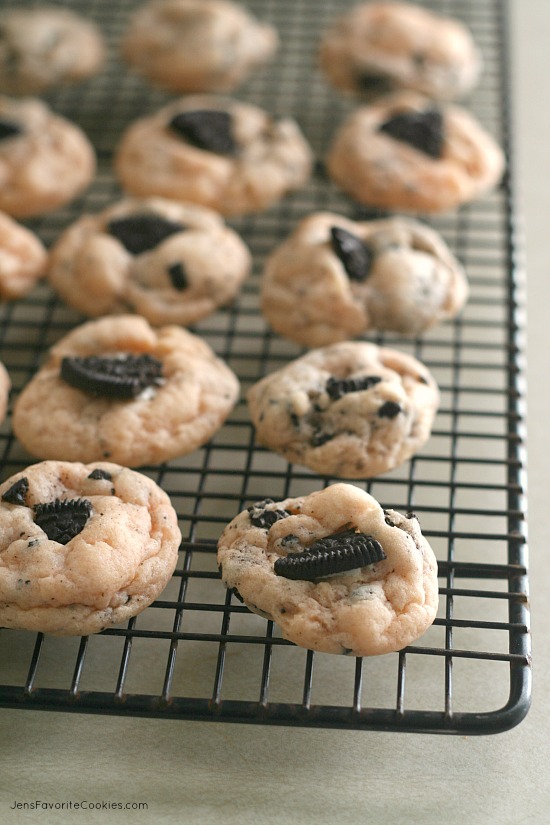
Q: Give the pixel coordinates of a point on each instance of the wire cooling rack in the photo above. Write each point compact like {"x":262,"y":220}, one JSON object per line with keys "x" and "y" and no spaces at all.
{"x":198,"y":654}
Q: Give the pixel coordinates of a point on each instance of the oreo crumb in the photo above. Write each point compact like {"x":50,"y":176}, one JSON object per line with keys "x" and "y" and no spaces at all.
{"x":261,"y":517}
{"x":389,"y":410}
{"x":338,"y":387}
{"x":319,"y":438}
{"x":98,"y":474}
{"x":178,"y":276}
{"x":388,"y":520}
{"x":373,"y":83}
{"x":8,"y":129}
{"x":423,"y":130}
{"x":17,"y":493}
{"x":206,"y":129}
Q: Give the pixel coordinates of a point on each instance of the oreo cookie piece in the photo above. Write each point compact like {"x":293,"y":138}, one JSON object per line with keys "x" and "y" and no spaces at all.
{"x":17,"y":493}
{"x":8,"y":129}
{"x":206,"y":129}
{"x":63,"y":519}
{"x":354,"y":254}
{"x":178,"y":276}
{"x":373,"y":84}
{"x":390,"y":409}
{"x":121,"y":377}
{"x":334,"y":554}
{"x":98,"y":474}
{"x":260,"y":516}
{"x":140,"y":233}
{"x":338,"y":387}
{"x":423,"y":130}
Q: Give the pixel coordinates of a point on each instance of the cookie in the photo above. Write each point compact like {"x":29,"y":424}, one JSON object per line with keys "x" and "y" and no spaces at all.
{"x":228,"y":155}
{"x":23,"y":259}
{"x":335,"y":571}
{"x":117,"y":389}
{"x":171,"y":263}
{"x":349,"y":410}
{"x":197,"y":45}
{"x":45,"y":161}
{"x":43,"y":47}
{"x":5,"y":386}
{"x":82,"y":547}
{"x":404,"y":152}
{"x":335,"y":278}
{"x":377,"y":48}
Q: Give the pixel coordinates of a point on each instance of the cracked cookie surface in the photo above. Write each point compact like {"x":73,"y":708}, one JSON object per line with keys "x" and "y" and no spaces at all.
{"x":70,"y":574}
{"x":171,"y":263}
{"x":406,"y":280}
{"x":349,"y":410}
{"x":373,"y":609}
{"x":172,"y":417}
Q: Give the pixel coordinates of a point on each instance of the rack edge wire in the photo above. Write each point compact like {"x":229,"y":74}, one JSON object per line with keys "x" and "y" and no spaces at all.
{"x":379,"y":719}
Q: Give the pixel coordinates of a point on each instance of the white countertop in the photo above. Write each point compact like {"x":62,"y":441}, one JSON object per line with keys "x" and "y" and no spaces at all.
{"x":192,"y":773}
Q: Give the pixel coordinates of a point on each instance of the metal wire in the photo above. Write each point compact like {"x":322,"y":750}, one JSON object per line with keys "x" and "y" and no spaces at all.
{"x":196,"y":653}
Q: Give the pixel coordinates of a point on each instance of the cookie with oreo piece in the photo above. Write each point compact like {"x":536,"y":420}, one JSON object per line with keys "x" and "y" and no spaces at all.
{"x":171,"y":263}
{"x":23,"y":259}
{"x":338,"y":574}
{"x":197,"y":45}
{"x":404,"y":152}
{"x":348,"y":410}
{"x":219,"y":152}
{"x":334,"y":279}
{"x":82,"y":547}
{"x":376,"y":48}
{"x":44,"y":47}
{"x":119,"y":390}
{"x":45,"y":160}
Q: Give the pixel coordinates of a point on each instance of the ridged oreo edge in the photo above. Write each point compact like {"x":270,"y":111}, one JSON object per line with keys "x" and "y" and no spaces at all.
{"x":63,"y":519}
{"x":122,"y":377}
{"x":338,"y":553}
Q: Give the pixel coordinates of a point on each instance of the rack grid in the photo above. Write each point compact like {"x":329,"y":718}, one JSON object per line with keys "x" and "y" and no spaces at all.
{"x":198,"y":654}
